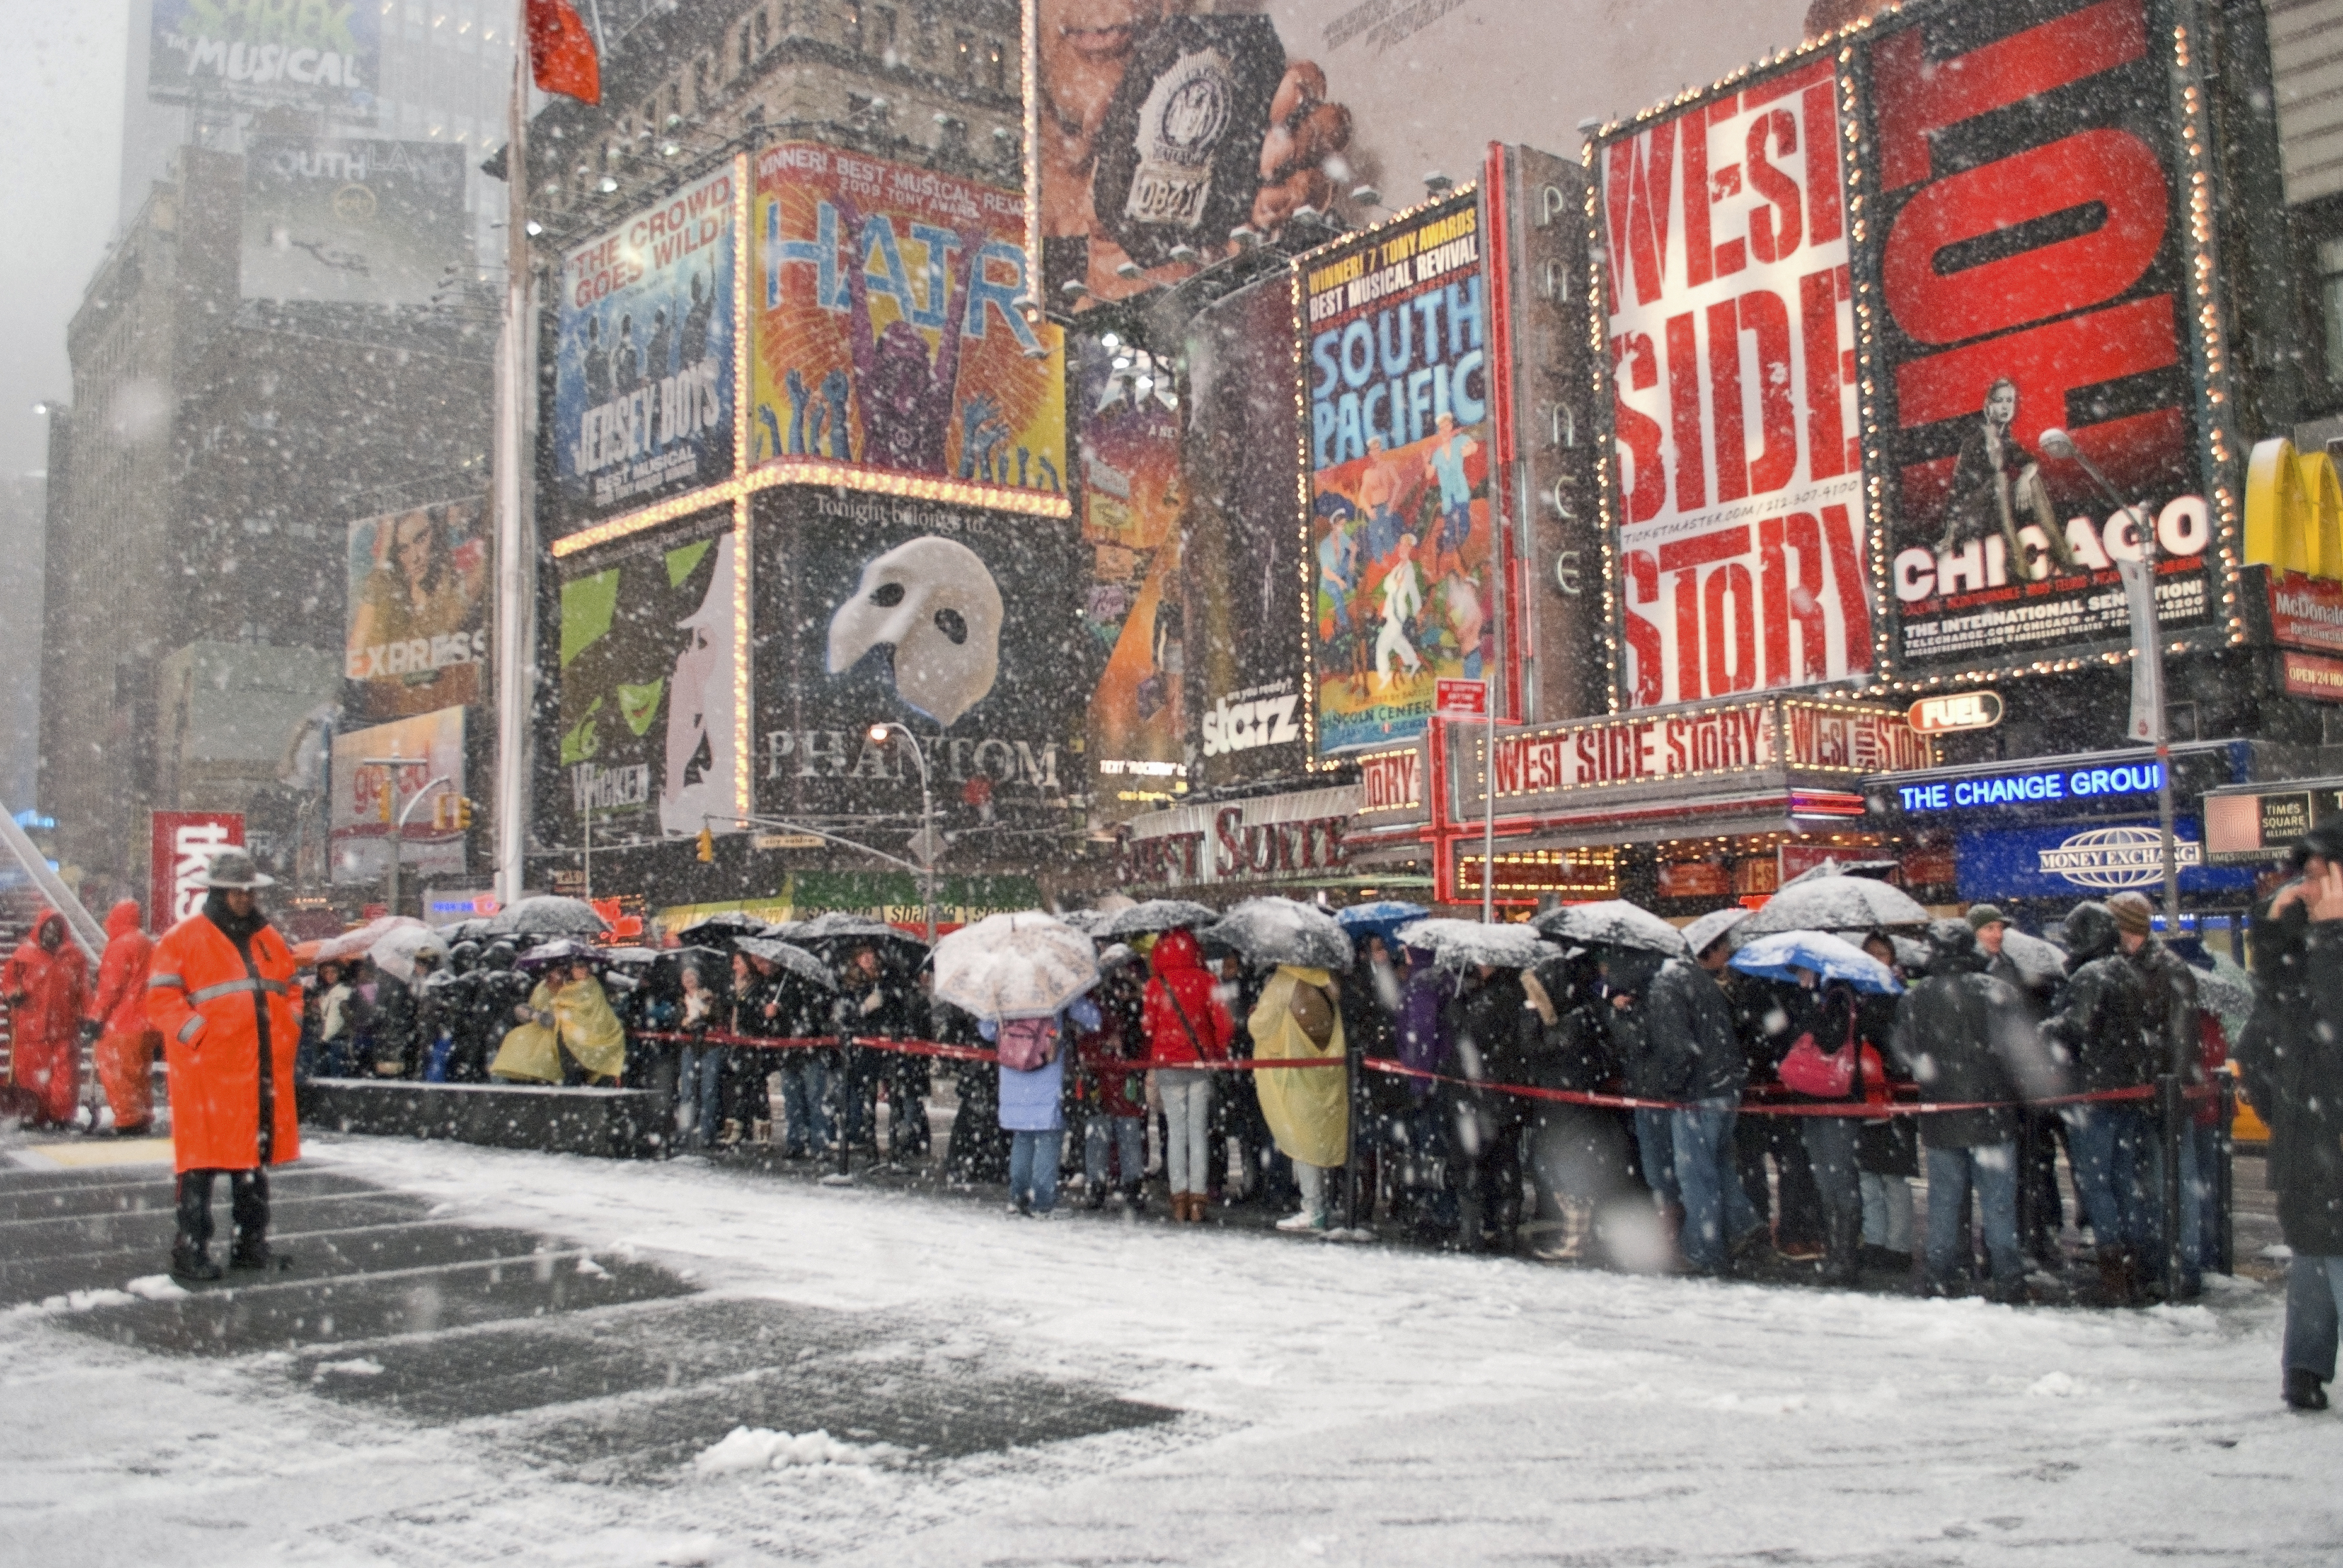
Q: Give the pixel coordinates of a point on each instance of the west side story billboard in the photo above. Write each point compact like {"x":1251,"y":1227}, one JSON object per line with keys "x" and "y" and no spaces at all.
{"x":2019,"y":260}
{"x":643,"y":395}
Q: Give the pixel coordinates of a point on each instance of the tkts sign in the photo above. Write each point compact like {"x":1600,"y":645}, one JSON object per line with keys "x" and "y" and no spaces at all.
{"x":2007,"y":249}
{"x":1723,"y":231}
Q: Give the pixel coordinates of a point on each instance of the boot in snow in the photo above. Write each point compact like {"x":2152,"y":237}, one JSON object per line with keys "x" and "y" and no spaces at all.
{"x":2305,"y":1390}
{"x":193,"y":1263}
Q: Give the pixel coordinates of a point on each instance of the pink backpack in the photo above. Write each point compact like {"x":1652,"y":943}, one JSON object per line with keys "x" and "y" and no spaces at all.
{"x":1028,"y":1043}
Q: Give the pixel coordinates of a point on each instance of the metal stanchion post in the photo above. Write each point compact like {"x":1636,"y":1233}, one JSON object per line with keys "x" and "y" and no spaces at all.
{"x":2225,"y":1173}
{"x":850,"y":1097}
{"x":2172,"y":1107}
{"x":1350,"y":1160}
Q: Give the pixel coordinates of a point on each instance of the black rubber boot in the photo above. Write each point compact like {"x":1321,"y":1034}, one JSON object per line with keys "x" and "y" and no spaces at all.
{"x":193,"y":1265}
{"x":2305,"y":1390}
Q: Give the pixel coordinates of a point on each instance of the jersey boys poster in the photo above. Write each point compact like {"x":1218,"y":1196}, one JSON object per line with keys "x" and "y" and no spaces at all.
{"x":1730,"y":332}
{"x":1396,"y":372}
{"x":643,"y":366}
{"x":2032,"y":251}
{"x":887,"y":328}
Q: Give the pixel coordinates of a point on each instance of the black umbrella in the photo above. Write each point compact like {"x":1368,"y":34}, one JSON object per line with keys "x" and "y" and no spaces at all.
{"x":720,"y":930}
{"x":838,"y":933}
{"x":548,"y":915}
{"x":794,"y":959}
{"x":1159,"y":915}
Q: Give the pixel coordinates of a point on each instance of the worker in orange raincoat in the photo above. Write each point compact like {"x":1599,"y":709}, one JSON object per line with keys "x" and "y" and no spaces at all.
{"x":220,"y":991}
{"x":126,"y":1042}
{"x":45,"y":983}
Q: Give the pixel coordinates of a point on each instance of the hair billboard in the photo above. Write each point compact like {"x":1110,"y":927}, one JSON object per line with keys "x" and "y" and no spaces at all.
{"x":888,"y":330}
{"x":417,"y":633}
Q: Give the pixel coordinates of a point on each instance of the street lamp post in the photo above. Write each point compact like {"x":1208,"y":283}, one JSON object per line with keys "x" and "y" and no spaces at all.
{"x":879,"y":733}
{"x":2150,"y":640}
{"x":398,"y":826}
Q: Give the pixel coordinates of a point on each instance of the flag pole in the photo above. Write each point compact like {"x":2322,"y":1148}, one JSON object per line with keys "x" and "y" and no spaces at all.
{"x":516,"y":544}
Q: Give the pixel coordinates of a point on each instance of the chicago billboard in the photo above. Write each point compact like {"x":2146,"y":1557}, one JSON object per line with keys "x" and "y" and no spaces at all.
{"x":1403,"y":534}
{"x":417,"y":631}
{"x":886,"y":328}
{"x":643,"y":395}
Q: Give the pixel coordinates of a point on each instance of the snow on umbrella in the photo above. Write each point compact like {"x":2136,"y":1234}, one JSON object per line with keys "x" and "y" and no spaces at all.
{"x":1463,"y":944}
{"x":1159,"y":915}
{"x":396,"y":951}
{"x":717,"y":930}
{"x":562,"y":952}
{"x":1829,"y":900}
{"x":1702,"y":934}
{"x":1090,"y":923}
{"x":548,"y":915}
{"x":1023,"y":965}
{"x":1284,"y":931}
{"x":1382,"y":918}
{"x":355,"y":943}
{"x":1776,"y":955}
{"x":790,"y":957}
{"x":1613,"y":922}
{"x":2037,"y":960}
{"x":842,"y":930}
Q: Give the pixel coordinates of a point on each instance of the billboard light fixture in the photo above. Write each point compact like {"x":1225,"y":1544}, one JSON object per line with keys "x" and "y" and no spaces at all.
{"x":1366,"y":195}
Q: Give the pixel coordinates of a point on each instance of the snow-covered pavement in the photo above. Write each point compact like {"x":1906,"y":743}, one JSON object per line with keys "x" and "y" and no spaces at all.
{"x":1336,"y":1405}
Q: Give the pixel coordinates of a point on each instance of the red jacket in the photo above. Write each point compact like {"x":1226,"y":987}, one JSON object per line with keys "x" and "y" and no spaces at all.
{"x":1180,"y":975}
{"x":120,"y":1005}
{"x":45,"y":992}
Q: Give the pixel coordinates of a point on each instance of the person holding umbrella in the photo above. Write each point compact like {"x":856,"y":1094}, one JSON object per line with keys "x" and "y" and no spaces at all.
{"x":1187,"y":1029}
{"x":567,"y":1015}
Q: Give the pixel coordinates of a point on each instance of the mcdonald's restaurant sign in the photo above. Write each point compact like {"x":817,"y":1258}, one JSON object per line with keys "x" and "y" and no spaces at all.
{"x":2294,"y":512}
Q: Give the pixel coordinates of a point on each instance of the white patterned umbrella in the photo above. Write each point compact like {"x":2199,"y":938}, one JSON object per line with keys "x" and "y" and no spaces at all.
{"x":1284,"y":931}
{"x":395,"y":952}
{"x":1613,"y":922}
{"x":1022,"y":965}
{"x":1466,"y":944}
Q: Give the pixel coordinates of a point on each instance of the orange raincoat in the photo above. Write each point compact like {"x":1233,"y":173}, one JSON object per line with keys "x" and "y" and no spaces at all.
{"x":46,"y":991}
{"x":126,"y":1043}
{"x":208,"y":1004}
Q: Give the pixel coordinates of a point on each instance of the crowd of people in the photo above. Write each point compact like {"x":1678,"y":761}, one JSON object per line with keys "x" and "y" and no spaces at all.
{"x":1606,"y":1101}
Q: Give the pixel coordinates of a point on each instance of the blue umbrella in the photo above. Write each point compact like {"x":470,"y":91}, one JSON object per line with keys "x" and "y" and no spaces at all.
{"x":1832,"y":958}
{"x":1382,"y":918}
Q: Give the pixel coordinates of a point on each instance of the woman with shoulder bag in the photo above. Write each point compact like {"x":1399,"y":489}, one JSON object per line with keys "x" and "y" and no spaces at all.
{"x":1187,"y":1029}
{"x":1832,"y":1063}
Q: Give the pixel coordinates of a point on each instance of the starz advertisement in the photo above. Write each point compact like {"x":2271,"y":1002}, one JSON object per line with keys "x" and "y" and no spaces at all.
{"x":1160,"y":127}
{"x":2032,"y":255}
{"x":961,"y":625}
{"x":1128,"y":440}
{"x":648,"y":631}
{"x":1729,"y":328}
{"x":642,"y":402}
{"x":886,"y":328}
{"x":1402,"y":530}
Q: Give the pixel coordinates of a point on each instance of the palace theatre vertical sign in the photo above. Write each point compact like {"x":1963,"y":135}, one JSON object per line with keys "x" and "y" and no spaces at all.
{"x":1843,"y":297}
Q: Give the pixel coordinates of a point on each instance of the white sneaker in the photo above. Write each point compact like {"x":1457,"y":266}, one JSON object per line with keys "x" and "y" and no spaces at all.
{"x":1304,"y":1221}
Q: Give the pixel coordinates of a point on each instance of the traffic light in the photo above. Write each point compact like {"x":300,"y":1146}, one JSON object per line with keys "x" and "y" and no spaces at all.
{"x":463,"y":813}
{"x":707,"y":846}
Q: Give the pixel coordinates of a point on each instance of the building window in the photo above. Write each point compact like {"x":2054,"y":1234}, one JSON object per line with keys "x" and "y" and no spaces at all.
{"x":748,"y":44}
{"x":882,"y":29}
{"x":675,"y":99}
{"x":764,"y":32}
{"x":964,"y":56}
{"x":700,"y":75}
{"x":2330,"y":295}
{"x":995,"y":63}
{"x":853,"y":19}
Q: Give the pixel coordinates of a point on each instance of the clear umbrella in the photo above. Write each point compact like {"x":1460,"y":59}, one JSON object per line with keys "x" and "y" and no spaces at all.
{"x":790,"y":957}
{"x":1284,"y":931}
{"x":1613,"y":923}
{"x":1466,"y":944}
{"x":396,"y":951}
{"x":1160,"y":915}
{"x":1023,"y":965}
{"x":356,"y":942}
{"x":1829,"y":900}
{"x":548,"y":915}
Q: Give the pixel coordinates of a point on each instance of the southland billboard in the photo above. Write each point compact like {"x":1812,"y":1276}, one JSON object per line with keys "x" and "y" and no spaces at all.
{"x":353,"y":220}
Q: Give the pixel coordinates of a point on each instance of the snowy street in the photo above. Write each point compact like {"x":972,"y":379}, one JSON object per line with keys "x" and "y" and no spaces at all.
{"x":1081,"y":1390}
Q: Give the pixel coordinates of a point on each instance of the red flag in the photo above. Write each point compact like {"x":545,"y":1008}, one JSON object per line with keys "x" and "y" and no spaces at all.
{"x":561,"y":57}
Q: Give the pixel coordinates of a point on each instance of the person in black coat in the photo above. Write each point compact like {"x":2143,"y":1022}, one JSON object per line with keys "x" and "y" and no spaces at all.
{"x":2291,"y":1056}
{"x":1770,"y":1015}
{"x":1963,"y":1037}
{"x":2098,"y":1030}
{"x":1368,"y":998}
{"x":1494,"y":1030}
{"x":1576,"y":1155}
{"x":1887,"y":1149}
{"x":1692,"y":1054}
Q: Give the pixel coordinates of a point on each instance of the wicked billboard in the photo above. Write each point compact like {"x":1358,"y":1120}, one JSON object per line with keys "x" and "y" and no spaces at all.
{"x":647,"y":736}
{"x":960,"y":625}
{"x":643,"y":395}
{"x":1401,"y":530}
{"x":887,"y":333}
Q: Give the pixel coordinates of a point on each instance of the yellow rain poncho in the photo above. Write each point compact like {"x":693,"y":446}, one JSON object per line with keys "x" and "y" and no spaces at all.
{"x":582,"y":1021}
{"x":1308,"y":1109}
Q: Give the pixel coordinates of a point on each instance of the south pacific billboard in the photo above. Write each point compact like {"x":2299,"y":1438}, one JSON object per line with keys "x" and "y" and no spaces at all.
{"x":1402,"y":530}
{"x":887,"y":328}
{"x":1728,"y":322}
{"x":643,"y":395}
